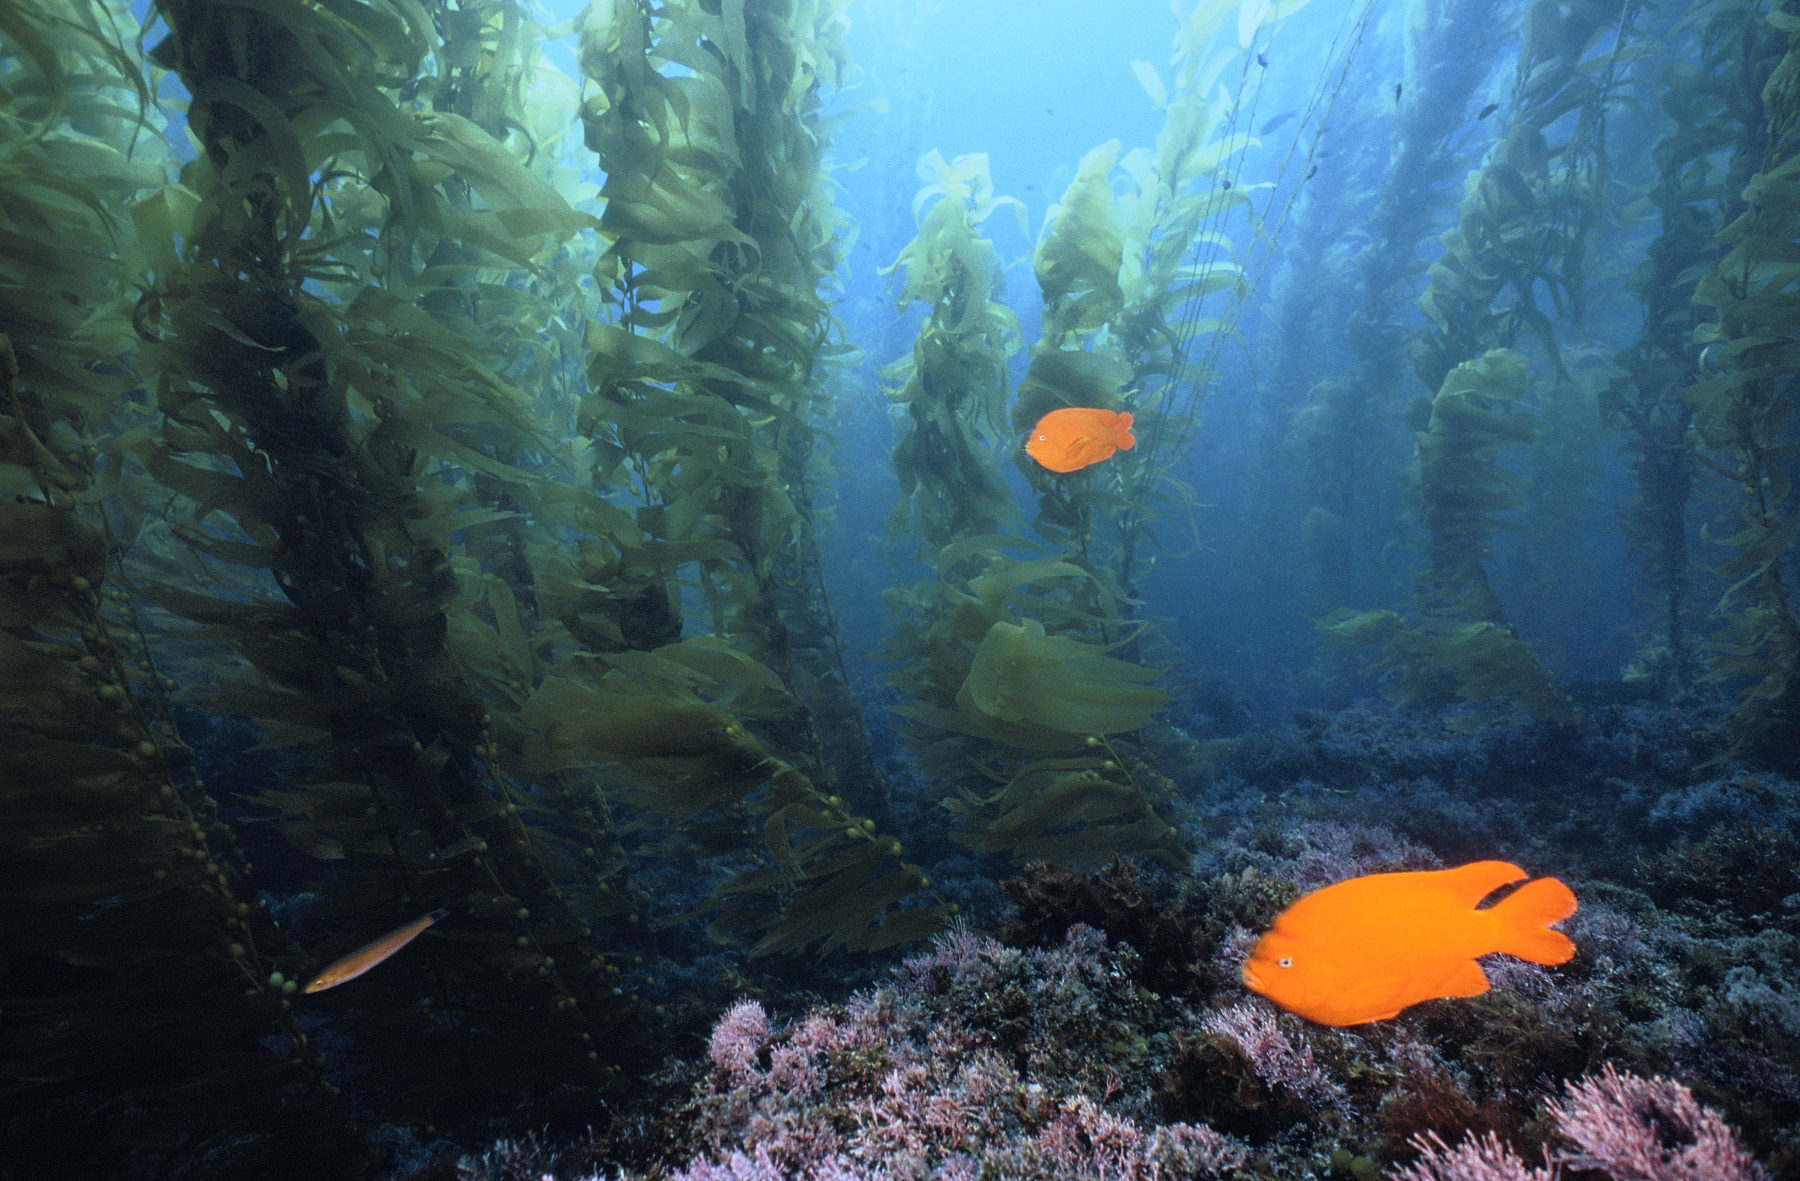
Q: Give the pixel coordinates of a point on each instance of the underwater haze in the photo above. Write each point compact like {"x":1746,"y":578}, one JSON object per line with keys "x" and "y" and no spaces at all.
{"x":888,"y":590}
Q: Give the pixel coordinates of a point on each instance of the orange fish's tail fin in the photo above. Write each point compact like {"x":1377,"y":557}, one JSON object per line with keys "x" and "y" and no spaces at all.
{"x":1524,"y":919}
{"x":1123,"y":439}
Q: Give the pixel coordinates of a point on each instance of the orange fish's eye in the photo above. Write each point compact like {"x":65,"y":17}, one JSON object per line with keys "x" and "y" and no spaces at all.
{"x":1286,"y":961}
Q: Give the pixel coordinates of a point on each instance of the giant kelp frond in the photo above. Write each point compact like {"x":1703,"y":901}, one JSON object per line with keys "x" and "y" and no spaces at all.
{"x":1461,"y":482}
{"x":73,"y":155}
{"x":1079,"y":253}
{"x":1459,"y":642}
{"x":954,"y":384}
{"x":1745,"y":417}
{"x":1022,"y":675}
{"x":1440,"y":660}
{"x":1522,"y":228}
{"x":1347,"y":439}
{"x":994,"y":679}
{"x":1122,"y":275}
{"x":132,"y":934}
{"x":1128,"y":279}
{"x":702,"y":391}
{"x":958,"y":196}
{"x":1526,"y":213}
{"x":809,"y":873}
{"x":1021,"y":693}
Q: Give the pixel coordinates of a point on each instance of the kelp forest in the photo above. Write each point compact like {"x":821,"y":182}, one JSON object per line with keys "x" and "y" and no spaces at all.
{"x":562,"y":471}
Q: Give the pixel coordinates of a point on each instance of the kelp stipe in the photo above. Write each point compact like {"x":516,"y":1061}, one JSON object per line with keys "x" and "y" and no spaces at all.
{"x":1522,"y":226}
{"x":314,"y":409}
{"x":720,"y":235}
{"x":137,"y":960}
{"x":1347,"y":442}
{"x":1745,"y":416}
{"x":1715,"y":105}
{"x":1459,"y":644}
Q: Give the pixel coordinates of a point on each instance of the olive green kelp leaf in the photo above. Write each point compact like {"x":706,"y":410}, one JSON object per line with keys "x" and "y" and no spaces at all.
{"x":1067,"y":377}
{"x":1078,"y":254}
{"x":1022,"y":675}
{"x":809,"y":872}
{"x":954,"y":383}
{"x":1438,"y":660}
{"x":1066,"y":810}
{"x":1460,"y":479}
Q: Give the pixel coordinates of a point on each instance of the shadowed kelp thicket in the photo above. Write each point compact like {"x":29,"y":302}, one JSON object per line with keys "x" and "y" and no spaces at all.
{"x":414,"y":460}
{"x":493,"y":513}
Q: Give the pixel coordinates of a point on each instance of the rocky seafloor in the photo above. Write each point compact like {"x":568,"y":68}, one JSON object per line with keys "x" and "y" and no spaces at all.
{"x":1092,"y":1025}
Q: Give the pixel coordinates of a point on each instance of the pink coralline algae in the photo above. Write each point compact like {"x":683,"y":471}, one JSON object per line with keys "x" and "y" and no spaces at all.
{"x":1228,"y":960}
{"x":1653,"y":1129}
{"x":1482,"y":1158}
{"x":1628,"y":1128}
{"x":1084,"y":1141}
{"x":1277,"y":1058}
{"x":738,"y":1039}
{"x":901,"y":1085}
{"x":918,"y":1114}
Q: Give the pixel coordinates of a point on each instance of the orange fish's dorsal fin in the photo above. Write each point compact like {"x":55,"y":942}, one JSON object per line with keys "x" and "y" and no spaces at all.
{"x":1471,"y":883}
{"x":1524,"y":919}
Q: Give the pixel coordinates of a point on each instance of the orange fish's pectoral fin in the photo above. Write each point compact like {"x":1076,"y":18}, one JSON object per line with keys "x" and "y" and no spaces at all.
{"x":1524,"y":919}
{"x":1376,"y":998}
{"x":1466,"y":979}
{"x":1472,"y":882}
{"x":1052,"y":455}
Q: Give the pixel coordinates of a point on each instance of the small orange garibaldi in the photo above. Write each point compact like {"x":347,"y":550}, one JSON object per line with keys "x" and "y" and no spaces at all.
{"x":1075,"y":437}
{"x":1366,"y":948}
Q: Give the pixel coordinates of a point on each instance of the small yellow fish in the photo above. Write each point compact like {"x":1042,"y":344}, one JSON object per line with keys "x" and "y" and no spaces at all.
{"x":1075,"y":437}
{"x":367,"y":956}
{"x":1366,"y":948}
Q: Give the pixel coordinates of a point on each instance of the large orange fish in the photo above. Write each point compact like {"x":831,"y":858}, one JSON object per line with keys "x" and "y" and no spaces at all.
{"x":370,"y":954}
{"x":1075,"y":437}
{"x":1366,"y":948}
